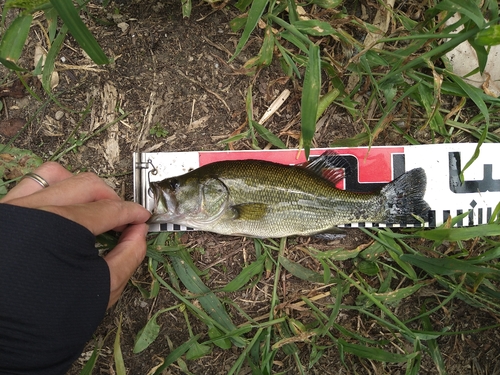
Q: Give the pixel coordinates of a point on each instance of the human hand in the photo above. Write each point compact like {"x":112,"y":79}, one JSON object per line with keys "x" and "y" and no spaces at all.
{"x":85,"y":199}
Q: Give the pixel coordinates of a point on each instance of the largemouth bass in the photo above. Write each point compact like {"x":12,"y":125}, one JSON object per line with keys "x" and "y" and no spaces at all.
{"x":267,"y":200}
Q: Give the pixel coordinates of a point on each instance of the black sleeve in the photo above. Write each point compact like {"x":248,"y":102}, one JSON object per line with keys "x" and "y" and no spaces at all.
{"x":54,"y":289}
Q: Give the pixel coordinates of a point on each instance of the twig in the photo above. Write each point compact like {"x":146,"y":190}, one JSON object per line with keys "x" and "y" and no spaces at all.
{"x":206,"y":89}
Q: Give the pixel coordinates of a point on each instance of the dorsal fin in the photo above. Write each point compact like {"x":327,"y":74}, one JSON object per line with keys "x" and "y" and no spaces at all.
{"x":329,"y":165}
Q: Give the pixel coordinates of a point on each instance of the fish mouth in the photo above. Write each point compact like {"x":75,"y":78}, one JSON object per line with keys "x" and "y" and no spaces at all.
{"x":164,"y":205}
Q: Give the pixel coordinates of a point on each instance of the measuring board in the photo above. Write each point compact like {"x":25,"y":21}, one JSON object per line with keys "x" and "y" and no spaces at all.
{"x":370,"y":169}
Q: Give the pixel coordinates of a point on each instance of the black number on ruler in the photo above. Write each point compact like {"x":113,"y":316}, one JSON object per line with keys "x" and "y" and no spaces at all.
{"x":486,"y":184}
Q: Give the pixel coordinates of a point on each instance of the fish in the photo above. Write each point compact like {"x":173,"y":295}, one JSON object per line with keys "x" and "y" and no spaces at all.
{"x":262,"y":199}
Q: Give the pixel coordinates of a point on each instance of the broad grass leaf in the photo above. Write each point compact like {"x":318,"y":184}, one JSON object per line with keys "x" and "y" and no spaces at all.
{"x":359,"y":139}
{"x":467,"y":8}
{"x":256,"y":10}
{"x":413,"y":365}
{"x":297,"y":42}
{"x":473,"y":94}
{"x":459,"y":234}
{"x":310,"y":97}
{"x":373,"y":251}
{"x":314,"y":27}
{"x":327,"y":4}
{"x":181,"y":263}
{"x":197,"y":350}
{"x":374,"y":353}
{"x":245,"y":275}
{"x":481,"y":53}
{"x":337,"y":254}
{"x":148,"y":334}
{"x":491,"y":9}
{"x":421,"y":60}
{"x":238,"y":22}
{"x":487,"y":256}
{"x":495,"y":215}
{"x":489,"y":36}
{"x":241,"y":5}
{"x":432,"y":345}
{"x":48,"y":68}
{"x":368,"y":268}
{"x":300,"y":271}
{"x":186,"y":8}
{"x":446,"y":266}
{"x":29,"y":5}
{"x":325,"y":101}
{"x":176,"y":354}
{"x":12,"y":43}
{"x":117,"y":351}
{"x":396,"y":296}
{"x":395,"y":251}
{"x":214,"y":334}
{"x":267,"y":49}
{"x":90,"y":364}
{"x":51,"y":17}
{"x":267,"y":135}
{"x":287,"y":63}
{"x":293,"y":15}
{"x":80,"y":32}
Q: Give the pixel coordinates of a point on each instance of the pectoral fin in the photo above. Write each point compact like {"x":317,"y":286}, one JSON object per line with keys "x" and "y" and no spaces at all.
{"x":249,"y":211}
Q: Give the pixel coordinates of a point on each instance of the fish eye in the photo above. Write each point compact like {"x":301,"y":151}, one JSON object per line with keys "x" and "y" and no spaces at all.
{"x":174,"y":184}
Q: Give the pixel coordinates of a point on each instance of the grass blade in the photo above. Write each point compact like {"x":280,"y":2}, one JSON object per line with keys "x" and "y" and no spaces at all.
{"x":209,"y":301}
{"x":432,"y":345}
{"x":90,"y":364}
{"x":80,"y":32}
{"x":467,"y":8}
{"x":176,"y":354}
{"x":457,"y":234}
{"x":48,"y":68}
{"x":254,"y":14}
{"x":476,"y":98}
{"x":446,"y":266}
{"x":267,"y":135}
{"x":300,"y":271}
{"x":310,"y":97}
{"x":12,"y":43}
{"x":489,"y":36}
{"x":117,"y":351}
{"x":244,"y":276}
{"x":374,"y":353}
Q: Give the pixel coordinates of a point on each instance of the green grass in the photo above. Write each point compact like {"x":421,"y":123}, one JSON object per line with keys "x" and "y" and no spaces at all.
{"x":408,"y":88}
{"x":381,"y":276}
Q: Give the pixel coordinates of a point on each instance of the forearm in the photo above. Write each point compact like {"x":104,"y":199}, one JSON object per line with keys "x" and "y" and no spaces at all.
{"x":54,"y":289}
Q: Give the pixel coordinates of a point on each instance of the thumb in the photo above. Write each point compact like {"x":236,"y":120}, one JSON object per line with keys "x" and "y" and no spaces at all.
{"x":124,"y":259}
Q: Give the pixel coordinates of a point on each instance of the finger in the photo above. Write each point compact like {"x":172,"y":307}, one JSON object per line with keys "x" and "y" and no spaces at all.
{"x":81,"y":188}
{"x":103,"y":215}
{"x":51,"y":172}
{"x":124,"y":259}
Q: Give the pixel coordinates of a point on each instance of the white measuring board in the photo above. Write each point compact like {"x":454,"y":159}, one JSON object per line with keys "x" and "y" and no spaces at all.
{"x":370,"y":169}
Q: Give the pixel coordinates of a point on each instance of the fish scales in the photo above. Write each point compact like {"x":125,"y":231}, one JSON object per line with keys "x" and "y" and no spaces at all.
{"x":296,"y":199}
{"x":263,"y":199}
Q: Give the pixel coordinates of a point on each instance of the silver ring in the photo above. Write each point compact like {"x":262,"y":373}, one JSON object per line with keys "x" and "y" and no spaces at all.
{"x":43,"y":183}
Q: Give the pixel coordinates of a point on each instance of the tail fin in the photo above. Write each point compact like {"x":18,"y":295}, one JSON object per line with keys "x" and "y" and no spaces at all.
{"x":404,"y":198}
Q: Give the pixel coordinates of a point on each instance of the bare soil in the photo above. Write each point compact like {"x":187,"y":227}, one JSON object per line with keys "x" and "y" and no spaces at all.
{"x":171,"y":75}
